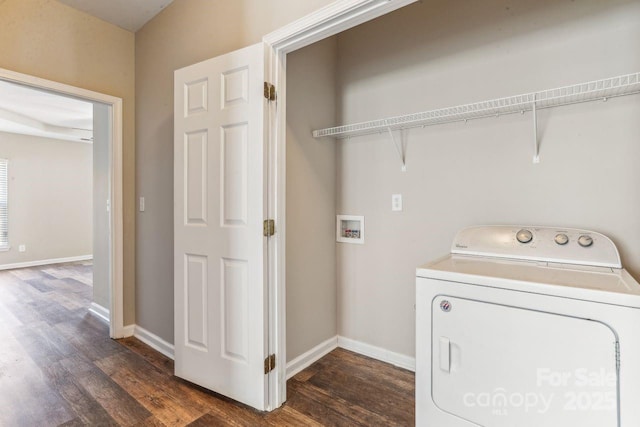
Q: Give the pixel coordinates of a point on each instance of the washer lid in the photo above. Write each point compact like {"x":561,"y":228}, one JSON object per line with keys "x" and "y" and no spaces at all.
{"x":551,"y":244}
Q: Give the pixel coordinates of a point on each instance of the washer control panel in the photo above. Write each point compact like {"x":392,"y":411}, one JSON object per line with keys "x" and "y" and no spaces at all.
{"x":559,"y":245}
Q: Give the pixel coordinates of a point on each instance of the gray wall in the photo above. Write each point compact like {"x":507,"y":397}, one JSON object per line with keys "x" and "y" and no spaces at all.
{"x":101,"y":232}
{"x":186,"y":32}
{"x":442,"y":53}
{"x":50,"y":198}
{"x":311,"y":198}
{"x":428,"y":55}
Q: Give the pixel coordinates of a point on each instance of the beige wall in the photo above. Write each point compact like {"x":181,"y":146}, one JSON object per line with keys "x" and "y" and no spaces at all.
{"x":442,"y":53}
{"x":186,"y":32}
{"x":311,"y":198}
{"x":50,"y":198}
{"x":46,"y":39}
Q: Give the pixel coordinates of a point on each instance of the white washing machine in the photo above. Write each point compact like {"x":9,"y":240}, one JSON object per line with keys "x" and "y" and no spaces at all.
{"x":527,"y":326}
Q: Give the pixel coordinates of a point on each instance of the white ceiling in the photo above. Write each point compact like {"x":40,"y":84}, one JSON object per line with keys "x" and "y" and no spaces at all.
{"x":31,"y":111}
{"x":128,"y":14}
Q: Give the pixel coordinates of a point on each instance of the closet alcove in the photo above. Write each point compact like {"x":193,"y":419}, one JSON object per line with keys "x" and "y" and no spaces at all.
{"x":423,"y":57}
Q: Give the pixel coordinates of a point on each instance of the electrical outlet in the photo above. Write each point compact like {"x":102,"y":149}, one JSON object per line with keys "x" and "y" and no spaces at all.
{"x":22,"y":248}
{"x":141,"y":204}
{"x":396,"y":202}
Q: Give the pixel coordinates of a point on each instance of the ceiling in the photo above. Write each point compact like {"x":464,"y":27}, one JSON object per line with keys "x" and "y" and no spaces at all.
{"x":128,"y":14}
{"x":35,"y":112}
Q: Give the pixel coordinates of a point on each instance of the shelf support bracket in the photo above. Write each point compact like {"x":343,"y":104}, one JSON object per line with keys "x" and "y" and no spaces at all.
{"x":400,"y":148}
{"x":536,"y":143}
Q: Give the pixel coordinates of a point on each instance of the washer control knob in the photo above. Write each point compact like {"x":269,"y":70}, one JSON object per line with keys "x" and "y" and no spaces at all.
{"x":561,"y":239}
{"x":585,"y":241}
{"x":524,"y":236}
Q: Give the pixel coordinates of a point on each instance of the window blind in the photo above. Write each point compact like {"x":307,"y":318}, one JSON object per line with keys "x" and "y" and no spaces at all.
{"x":4,"y":203}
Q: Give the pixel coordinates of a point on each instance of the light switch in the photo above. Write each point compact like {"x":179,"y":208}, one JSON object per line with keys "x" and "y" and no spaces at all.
{"x":22,"y":248}
{"x":396,"y":202}
{"x":141,"y":204}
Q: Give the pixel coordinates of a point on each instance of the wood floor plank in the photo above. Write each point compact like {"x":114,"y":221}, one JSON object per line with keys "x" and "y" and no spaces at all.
{"x":121,"y":406}
{"x":151,"y":422}
{"x":318,"y":403}
{"x":39,"y":285}
{"x":73,"y":302}
{"x":90,"y":336}
{"x":288,"y":417}
{"x":306,"y":374}
{"x":9,"y":321}
{"x":224,"y":412}
{"x":89,"y":411}
{"x":59,"y":367}
{"x":37,"y":342}
{"x":76,"y":422}
{"x":21,"y":305}
{"x":352,"y":384}
{"x":81,"y":271}
{"x":389,"y":374}
{"x":26,"y":398}
{"x":152,"y":356}
{"x":29,"y":273}
{"x":152,"y":388}
{"x":209,"y":420}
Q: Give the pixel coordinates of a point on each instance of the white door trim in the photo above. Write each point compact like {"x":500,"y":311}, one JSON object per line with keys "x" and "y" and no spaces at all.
{"x":325,"y":22}
{"x":116,"y":326}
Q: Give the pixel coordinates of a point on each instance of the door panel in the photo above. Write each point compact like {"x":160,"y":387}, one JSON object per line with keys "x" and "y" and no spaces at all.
{"x":220,"y":335}
{"x":234,"y":175}
{"x":196,"y":301}
{"x":195,"y":171}
{"x":234,"y":310}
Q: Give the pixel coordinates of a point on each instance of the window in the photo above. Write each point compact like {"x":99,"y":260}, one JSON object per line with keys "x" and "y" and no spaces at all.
{"x":4,"y":204}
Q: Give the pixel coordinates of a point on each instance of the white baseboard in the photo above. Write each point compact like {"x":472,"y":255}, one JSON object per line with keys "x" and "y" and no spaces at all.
{"x":128,"y":331}
{"x":100,"y":312}
{"x":45,"y":262}
{"x":154,"y":341}
{"x":378,"y":353}
{"x":310,"y":357}
{"x":299,"y":363}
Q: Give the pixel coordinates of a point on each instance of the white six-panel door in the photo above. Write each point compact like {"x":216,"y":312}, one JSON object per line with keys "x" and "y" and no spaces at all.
{"x":220,"y":334}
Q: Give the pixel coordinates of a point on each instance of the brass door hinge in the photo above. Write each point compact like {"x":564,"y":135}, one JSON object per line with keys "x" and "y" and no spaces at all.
{"x":268,"y":227}
{"x":269,"y":91}
{"x":269,"y":363}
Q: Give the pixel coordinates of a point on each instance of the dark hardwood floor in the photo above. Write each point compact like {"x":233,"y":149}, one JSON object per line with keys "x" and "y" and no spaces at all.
{"x":59,"y":367}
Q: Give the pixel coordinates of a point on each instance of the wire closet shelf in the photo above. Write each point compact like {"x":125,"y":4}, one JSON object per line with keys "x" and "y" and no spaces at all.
{"x":584,"y":92}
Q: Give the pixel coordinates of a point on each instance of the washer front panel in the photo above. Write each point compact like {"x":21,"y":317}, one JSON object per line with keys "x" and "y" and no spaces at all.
{"x":429,"y":295}
{"x":534,"y":369}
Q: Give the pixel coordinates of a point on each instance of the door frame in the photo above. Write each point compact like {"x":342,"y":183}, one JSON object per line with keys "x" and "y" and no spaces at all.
{"x":325,"y":22}
{"x":116,"y":220}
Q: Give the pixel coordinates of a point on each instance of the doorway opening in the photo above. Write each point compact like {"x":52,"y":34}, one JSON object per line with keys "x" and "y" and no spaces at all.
{"x":93,"y":121}
{"x":319,"y":26}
